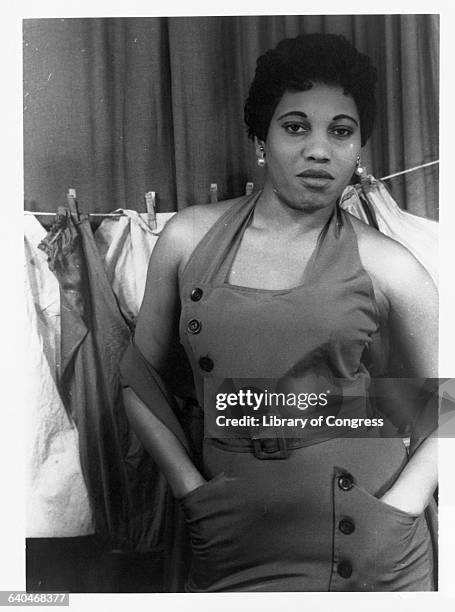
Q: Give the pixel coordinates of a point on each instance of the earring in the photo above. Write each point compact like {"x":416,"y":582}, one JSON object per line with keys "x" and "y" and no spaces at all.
{"x":261,"y":158}
{"x":360,"y":170}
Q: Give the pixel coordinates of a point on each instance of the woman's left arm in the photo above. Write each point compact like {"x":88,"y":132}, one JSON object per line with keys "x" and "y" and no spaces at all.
{"x":413,"y":320}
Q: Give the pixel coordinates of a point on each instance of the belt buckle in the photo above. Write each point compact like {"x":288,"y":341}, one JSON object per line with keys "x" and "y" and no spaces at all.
{"x":282,"y":451}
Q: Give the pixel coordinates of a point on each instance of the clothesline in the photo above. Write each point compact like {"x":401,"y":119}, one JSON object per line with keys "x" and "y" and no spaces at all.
{"x":46,"y":214}
{"x":212,"y":190}
{"x":389,"y":176}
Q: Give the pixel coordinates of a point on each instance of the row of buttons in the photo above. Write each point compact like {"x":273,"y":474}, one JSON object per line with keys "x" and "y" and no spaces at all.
{"x":346,"y":525}
{"x":194,"y":326}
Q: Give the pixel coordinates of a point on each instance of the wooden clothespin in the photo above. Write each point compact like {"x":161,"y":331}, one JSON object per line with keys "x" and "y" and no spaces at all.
{"x":249,"y":187}
{"x":213,"y":193}
{"x":72,"y":204}
{"x":150,"y":201}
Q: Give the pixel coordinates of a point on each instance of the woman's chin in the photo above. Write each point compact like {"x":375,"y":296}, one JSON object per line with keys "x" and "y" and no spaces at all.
{"x":307,"y":202}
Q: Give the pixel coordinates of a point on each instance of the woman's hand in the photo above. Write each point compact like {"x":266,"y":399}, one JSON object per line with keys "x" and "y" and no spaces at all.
{"x":410,"y":503}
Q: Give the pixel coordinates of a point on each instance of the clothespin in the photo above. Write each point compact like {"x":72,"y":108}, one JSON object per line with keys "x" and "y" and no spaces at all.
{"x":73,"y":206}
{"x":213,"y":193}
{"x":249,"y":187}
{"x":150,"y":201}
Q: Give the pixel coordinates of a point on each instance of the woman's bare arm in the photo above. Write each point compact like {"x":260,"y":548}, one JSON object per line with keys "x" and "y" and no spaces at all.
{"x":414,"y":331}
{"x":413,"y":320}
{"x":168,"y":452}
{"x":156,"y":333}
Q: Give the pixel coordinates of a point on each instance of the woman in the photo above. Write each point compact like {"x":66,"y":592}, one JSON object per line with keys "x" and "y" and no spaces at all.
{"x":285,"y":286}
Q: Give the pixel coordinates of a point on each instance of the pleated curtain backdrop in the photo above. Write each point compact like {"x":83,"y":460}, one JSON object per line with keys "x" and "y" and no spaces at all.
{"x":117,"y":107}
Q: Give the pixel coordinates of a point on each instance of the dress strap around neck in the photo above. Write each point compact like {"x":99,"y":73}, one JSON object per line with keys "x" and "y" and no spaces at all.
{"x":219,"y":242}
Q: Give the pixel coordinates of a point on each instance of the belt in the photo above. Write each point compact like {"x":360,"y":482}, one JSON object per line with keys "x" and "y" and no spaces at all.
{"x":277,"y":447}
{"x":262,"y":448}
{"x":271,"y":442}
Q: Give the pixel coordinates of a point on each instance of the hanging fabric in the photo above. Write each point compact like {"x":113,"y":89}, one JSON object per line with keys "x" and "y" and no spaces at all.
{"x":125,"y":244}
{"x":132,"y":505}
{"x":57,"y":503}
{"x":372,"y":203}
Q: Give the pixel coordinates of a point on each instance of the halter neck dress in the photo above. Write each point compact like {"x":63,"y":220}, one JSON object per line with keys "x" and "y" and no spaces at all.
{"x":301,"y":514}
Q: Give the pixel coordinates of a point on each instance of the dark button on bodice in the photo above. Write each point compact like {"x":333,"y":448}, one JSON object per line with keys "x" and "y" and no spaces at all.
{"x":345,"y":482}
{"x":196,"y":294}
{"x":194,"y":326}
{"x":206,"y":364}
{"x":344,"y":569}
{"x":346,"y":526}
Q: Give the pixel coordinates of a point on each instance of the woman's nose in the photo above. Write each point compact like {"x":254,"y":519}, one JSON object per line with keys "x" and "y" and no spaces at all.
{"x":317,"y":148}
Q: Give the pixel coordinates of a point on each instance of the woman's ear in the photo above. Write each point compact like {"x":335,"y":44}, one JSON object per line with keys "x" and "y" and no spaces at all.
{"x":260,"y":152}
{"x":259,"y":146}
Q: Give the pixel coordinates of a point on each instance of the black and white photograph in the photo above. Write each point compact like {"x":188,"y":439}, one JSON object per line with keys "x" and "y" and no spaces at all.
{"x":231,"y":272}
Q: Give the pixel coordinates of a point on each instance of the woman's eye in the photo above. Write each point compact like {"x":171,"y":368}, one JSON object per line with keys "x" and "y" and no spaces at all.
{"x":295,"y":128}
{"x":343,"y":132}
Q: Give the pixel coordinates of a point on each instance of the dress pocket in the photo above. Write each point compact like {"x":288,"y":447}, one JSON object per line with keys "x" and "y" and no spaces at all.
{"x":388,"y":508}
{"x":385,"y":548}
{"x":202,"y":489}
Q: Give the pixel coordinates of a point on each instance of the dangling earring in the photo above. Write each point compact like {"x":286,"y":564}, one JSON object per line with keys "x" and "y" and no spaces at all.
{"x":360,"y":170}
{"x":261,"y":157}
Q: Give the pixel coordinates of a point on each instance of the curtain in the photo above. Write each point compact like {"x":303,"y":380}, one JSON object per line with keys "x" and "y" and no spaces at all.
{"x":117,"y":107}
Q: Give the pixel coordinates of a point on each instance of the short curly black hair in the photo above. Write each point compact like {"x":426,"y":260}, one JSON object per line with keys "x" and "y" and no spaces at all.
{"x":296,"y":63}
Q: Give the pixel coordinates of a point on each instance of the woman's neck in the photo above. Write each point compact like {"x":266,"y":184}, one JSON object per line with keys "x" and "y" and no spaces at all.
{"x":273,"y":213}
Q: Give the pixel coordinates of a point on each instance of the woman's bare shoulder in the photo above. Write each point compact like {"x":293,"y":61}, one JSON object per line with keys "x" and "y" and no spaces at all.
{"x":369,"y":238}
{"x":185,"y":230}
{"x":198,"y":219}
{"x":388,"y":262}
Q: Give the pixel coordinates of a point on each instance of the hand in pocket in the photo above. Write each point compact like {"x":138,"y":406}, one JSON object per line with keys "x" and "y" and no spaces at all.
{"x":214,"y":524}
{"x":403,"y":501}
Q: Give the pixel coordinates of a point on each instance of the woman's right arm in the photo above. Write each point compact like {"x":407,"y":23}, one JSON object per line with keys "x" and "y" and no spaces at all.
{"x":156,"y":333}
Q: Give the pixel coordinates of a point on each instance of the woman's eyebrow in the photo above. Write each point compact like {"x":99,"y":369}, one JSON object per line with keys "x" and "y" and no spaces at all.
{"x":337,"y":117}
{"x":305,"y":116}
{"x":299,"y":113}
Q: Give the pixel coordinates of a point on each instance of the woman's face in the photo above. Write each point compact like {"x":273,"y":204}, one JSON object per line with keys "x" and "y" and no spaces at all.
{"x":312,"y":146}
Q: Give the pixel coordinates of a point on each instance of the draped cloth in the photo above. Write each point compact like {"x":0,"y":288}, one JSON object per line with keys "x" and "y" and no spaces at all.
{"x":132,"y":505}
{"x":57,"y":499}
{"x":372,"y":202}
{"x":125,"y":244}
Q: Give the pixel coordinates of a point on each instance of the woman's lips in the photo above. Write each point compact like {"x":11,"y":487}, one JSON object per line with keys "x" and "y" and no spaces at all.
{"x":315,"y":179}
{"x":316,"y":174}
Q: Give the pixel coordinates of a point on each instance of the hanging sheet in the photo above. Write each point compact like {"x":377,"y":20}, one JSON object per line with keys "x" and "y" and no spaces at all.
{"x":418,"y":235}
{"x":125,"y":245}
{"x":130,"y":498}
{"x":57,"y":503}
